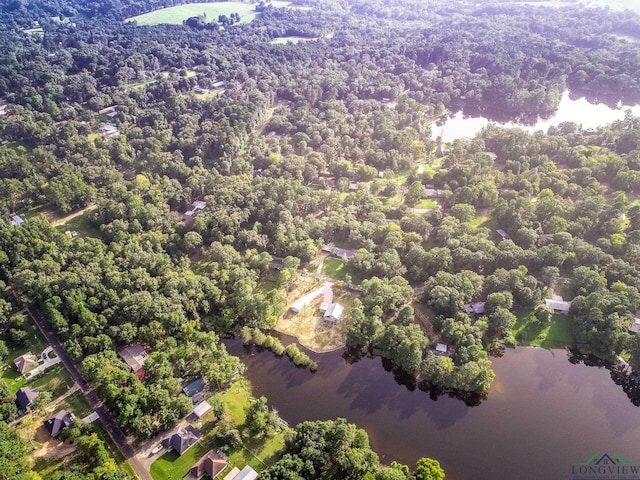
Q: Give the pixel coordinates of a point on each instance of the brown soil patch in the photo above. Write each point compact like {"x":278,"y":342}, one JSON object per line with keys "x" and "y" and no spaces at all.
{"x":311,"y":330}
{"x":51,"y":449}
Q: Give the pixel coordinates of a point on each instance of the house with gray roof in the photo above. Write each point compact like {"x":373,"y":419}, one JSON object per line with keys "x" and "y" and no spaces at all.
{"x":184,"y":439}
{"x":25,"y":397}
{"x":61,"y":420}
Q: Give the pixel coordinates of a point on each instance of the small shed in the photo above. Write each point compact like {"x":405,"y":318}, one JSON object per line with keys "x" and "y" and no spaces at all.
{"x":201,"y":410}
{"x":503,"y":234}
{"x":247,"y":473}
{"x":475,"y":308}
{"x":558,"y":306}
{"x":333,"y":313}
{"x":441,"y":349}
{"x":16,"y":219}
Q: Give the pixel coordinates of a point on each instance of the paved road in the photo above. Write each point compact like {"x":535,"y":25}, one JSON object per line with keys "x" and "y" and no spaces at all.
{"x":106,"y":418}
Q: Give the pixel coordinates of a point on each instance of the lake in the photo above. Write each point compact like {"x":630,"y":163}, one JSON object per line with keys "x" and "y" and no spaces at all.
{"x":469,"y":121}
{"x":543,"y":414}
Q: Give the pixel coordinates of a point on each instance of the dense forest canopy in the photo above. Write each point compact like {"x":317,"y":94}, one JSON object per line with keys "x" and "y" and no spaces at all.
{"x":304,"y":145}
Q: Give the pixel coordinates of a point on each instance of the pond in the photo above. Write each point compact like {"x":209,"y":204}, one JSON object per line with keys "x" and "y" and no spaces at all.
{"x":543,"y":413}
{"x":467,"y":122}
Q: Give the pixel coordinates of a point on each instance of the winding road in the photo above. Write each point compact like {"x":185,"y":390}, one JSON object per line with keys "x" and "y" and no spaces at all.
{"x":119,"y":439}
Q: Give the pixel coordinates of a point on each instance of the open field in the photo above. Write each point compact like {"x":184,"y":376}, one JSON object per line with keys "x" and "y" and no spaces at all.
{"x":292,"y":39}
{"x":311,"y":330}
{"x":556,"y":334}
{"x":426,"y":203}
{"x":338,"y":270}
{"x":178,"y":14}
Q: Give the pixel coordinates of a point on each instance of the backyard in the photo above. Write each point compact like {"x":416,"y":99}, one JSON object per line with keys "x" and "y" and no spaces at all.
{"x":259,"y":453}
{"x":555,"y":334}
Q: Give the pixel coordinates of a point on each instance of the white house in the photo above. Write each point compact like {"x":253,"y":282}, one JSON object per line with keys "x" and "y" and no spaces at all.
{"x":333,"y":313}
{"x":558,"y":306}
{"x":475,"y":308}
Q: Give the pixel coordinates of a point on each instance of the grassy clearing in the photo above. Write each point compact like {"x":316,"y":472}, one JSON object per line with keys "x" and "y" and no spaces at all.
{"x":426,"y":203}
{"x":77,"y":404}
{"x":291,"y":39}
{"x":556,"y":334}
{"x":81,"y":225}
{"x":311,"y":329}
{"x":178,"y":14}
{"x":392,"y":202}
{"x":173,"y":466}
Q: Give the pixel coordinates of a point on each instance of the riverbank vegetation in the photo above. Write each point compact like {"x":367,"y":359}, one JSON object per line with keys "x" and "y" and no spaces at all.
{"x":302,"y":145}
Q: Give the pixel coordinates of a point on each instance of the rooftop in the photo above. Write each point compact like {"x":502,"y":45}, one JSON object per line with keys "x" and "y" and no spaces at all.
{"x":184,"y":439}
{"x":134,"y":356}
{"x":26,"y":362}
{"x":61,"y":420}
{"x":194,"y":387}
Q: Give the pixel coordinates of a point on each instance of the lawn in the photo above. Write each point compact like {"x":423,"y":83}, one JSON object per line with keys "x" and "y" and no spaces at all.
{"x":55,"y":380}
{"x":176,"y":15}
{"x":81,"y":225}
{"x":392,"y":202}
{"x":335,"y":268}
{"x":557,"y":334}
{"x":259,"y":453}
{"x":172,"y":466}
{"x":77,"y":404}
{"x":429,"y":203}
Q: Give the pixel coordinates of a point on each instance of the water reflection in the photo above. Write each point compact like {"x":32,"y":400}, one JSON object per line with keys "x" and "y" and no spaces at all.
{"x":545,"y":411}
{"x":467,"y":121}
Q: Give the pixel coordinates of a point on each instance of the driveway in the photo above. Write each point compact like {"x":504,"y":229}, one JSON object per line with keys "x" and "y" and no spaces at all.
{"x":46,"y":363}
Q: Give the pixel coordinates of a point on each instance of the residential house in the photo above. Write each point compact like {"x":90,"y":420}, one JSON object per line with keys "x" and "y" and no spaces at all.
{"x":195,"y":208}
{"x":441,"y":349}
{"x":333,"y":313}
{"x":247,"y":473}
{"x":26,"y":362}
{"x":16,"y":219}
{"x":558,"y":306}
{"x":194,"y":387}
{"x":184,"y":439}
{"x":210,"y":464}
{"x":475,"y":308}
{"x":432,"y":192}
{"x":635,"y":326}
{"x":58,"y":422}
{"x":503,"y":234}
{"x":110,"y":130}
{"x":339,"y":252}
{"x":219,"y":84}
{"x":24,"y":399}
{"x":199,"y":89}
{"x":134,"y":356}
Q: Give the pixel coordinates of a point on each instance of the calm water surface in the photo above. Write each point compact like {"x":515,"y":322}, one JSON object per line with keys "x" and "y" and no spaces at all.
{"x":543,"y":413}
{"x":571,"y":109}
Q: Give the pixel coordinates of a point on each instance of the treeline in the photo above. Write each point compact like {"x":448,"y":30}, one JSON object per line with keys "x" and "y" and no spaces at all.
{"x":254,"y":336}
{"x":315,"y":450}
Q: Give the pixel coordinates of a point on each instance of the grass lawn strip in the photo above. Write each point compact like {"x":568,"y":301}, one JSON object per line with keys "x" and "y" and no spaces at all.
{"x":555,"y":334}
{"x":179,"y":13}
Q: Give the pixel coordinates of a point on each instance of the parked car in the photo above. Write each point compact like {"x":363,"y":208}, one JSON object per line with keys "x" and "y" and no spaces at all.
{"x":157,"y":448}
